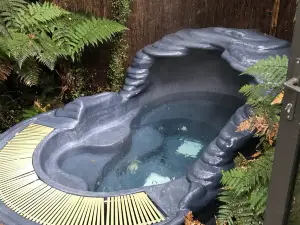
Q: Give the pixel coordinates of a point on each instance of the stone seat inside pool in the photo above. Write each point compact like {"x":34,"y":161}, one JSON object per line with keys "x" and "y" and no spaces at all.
{"x":147,"y":154}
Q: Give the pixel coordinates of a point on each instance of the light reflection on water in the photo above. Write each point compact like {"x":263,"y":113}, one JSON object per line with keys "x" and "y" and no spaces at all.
{"x":159,"y":153}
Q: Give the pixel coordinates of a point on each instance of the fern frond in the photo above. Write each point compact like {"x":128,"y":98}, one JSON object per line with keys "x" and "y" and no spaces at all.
{"x":244,"y":179}
{"x":30,"y":72}
{"x":236,"y":209}
{"x":12,"y":5}
{"x":75,"y":37}
{"x":258,"y":199}
{"x":38,"y":15}
{"x":5,"y":70}
{"x":3,"y":28}
{"x":48,"y":52}
{"x":271,"y":70}
{"x":30,"y":112}
{"x":9,"y":9}
{"x":21,"y":47}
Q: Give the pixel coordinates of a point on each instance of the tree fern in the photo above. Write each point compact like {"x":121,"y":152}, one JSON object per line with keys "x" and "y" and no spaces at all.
{"x":46,"y":33}
{"x":30,"y":72}
{"x":76,"y":36}
{"x":244,"y":195}
{"x":271,"y":70}
{"x":236,"y":210}
{"x":256,"y":172}
{"x":5,"y":70}
{"x":9,"y":9}
{"x":37,"y":15}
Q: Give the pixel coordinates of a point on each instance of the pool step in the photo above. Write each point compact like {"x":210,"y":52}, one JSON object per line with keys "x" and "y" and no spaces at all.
{"x":24,"y":193}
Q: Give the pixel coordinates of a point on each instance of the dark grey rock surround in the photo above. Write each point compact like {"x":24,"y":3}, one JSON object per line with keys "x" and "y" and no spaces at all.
{"x":204,"y":60}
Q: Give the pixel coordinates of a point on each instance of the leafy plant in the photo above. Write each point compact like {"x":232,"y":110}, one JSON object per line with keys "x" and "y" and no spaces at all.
{"x":10,"y":111}
{"x":120,"y":12}
{"x":36,"y":109}
{"x":32,"y":33}
{"x":244,"y":194}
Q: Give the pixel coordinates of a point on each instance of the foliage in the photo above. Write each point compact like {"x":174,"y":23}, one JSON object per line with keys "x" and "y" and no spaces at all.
{"x":121,"y":11}
{"x":116,"y":67}
{"x":34,"y":110}
{"x":81,"y":82}
{"x":244,"y":194}
{"x":45,"y":33}
{"x":10,"y":111}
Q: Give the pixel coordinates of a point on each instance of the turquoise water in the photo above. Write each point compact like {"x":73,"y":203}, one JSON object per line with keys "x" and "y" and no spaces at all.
{"x":168,"y":135}
{"x":164,"y":151}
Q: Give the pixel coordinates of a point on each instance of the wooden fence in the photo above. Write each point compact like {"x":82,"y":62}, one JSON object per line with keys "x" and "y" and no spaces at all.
{"x":152,"y":19}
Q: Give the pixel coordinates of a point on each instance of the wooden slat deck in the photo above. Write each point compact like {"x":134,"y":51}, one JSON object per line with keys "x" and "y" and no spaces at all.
{"x":23,"y":192}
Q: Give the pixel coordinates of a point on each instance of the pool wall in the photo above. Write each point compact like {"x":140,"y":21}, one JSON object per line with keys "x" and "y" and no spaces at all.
{"x":207,"y":59}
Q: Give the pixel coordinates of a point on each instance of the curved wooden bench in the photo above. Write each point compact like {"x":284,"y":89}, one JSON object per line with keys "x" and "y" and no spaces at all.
{"x":24,"y":193}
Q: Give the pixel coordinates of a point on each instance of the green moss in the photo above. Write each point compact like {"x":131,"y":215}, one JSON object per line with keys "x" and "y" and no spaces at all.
{"x":120,"y":12}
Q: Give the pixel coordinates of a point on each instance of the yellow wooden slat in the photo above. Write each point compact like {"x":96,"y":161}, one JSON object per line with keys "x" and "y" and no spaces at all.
{"x":28,"y":197}
{"x":45,"y":219}
{"x":49,"y":207}
{"x":54,"y":212}
{"x":154,"y":217}
{"x":94,"y":210}
{"x":124,"y":213}
{"x":30,"y":209}
{"x":112,"y":210}
{"x":85,"y":218}
{"x":145,"y":210}
{"x":71,"y":219}
{"x":18,"y":195}
{"x":135,"y":209}
{"x":131,"y":210}
{"x":102,"y":211}
{"x":46,"y":203}
{"x":153,"y":207}
{"x":108,"y":211}
{"x":139,"y":209}
{"x":34,"y":201}
{"x":81,"y":211}
{"x":120,"y":211}
{"x":99,"y":215}
{"x":116,"y":210}
{"x":129,"y":219}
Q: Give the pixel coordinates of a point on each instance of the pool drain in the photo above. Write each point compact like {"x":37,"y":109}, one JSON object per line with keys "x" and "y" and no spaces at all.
{"x":24,"y":193}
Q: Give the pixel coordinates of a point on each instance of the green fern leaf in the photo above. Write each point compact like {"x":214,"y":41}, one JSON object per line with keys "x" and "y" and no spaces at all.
{"x":38,"y":15}
{"x":271,"y":70}
{"x":75,"y":37}
{"x":244,"y":179}
{"x":9,"y":9}
{"x":48,"y":52}
{"x":20,"y":47}
{"x":30,"y":72}
{"x":258,"y":199}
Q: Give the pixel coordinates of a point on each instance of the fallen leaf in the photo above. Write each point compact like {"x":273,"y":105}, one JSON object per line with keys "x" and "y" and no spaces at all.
{"x":256,"y":155}
{"x":278,"y":99}
{"x":189,"y":219}
{"x":245,"y":125}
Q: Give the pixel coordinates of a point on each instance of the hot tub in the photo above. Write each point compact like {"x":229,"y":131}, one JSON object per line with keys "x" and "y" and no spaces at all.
{"x":168,"y":133}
